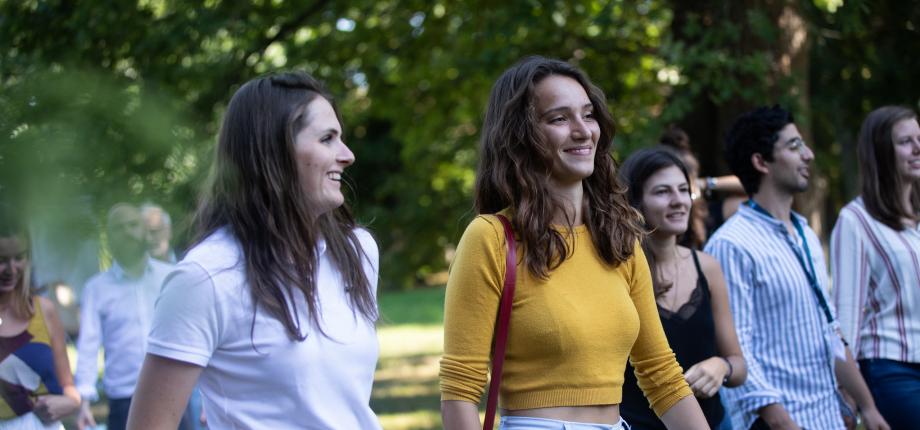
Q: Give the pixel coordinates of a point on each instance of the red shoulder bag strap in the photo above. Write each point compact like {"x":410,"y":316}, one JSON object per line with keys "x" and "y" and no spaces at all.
{"x":501,"y":325}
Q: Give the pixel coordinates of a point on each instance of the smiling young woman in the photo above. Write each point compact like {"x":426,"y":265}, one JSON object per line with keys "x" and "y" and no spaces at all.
{"x":875,"y":247}
{"x":583,"y":299}
{"x":274,"y":307}
{"x":38,"y":388}
{"x":689,"y":289}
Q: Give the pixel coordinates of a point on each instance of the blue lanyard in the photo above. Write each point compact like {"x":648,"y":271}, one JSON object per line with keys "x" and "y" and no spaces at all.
{"x":809,"y":269}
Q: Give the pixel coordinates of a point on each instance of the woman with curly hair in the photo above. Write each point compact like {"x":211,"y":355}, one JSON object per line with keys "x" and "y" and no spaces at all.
{"x":583,"y":300}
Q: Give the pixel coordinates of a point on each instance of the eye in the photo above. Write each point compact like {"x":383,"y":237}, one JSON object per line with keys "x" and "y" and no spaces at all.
{"x":327,"y":138}
{"x":557,"y":119}
{"x":589,"y":115}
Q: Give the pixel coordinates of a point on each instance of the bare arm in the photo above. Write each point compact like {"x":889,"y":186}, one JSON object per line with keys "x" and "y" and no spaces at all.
{"x":852,"y":382}
{"x":726,"y":337}
{"x":685,"y":414}
{"x":460,"y":415}
{"x":53,"y":407}
{"x":162,"y":393}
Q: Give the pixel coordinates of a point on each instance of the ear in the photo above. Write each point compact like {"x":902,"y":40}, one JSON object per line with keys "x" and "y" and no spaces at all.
{"x":759,"y":163}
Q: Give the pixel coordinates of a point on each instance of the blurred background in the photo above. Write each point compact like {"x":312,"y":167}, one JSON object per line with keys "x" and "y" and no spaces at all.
{"x":106,"y":101}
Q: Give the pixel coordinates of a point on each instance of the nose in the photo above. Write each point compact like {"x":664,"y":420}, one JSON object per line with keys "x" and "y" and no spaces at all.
{"x":807,"y":153}
{"x":345,"y":156}
{"x":580,"y":129}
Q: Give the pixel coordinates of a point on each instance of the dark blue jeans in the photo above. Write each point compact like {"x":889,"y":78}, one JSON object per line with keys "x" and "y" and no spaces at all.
{"x":895,"y":386}
{"x":118,"y":413}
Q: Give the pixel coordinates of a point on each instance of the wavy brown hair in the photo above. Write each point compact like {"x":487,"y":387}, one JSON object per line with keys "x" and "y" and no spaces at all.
{"x":881,"y":184}
{"x":515,"y":165}
{"x":256,"y":193}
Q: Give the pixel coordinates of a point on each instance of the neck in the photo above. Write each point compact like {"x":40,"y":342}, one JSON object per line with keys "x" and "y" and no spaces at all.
{"x":905,"y":197}
{"x":663,"y":246}
{"x":775,"y":202}
{"x":572,"y":198}
{"x":134,"y":268}
{"x":6,"y":299}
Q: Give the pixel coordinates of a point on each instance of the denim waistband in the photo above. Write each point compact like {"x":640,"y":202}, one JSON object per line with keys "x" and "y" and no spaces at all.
{"x":530,"y":423}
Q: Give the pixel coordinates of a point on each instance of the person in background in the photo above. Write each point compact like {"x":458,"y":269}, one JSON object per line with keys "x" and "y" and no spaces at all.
{"x":875,"y":257}
{"x":777,"y":282}
{"x":35,"y":377}
{"x":115,"y":314}
{"x":159,"y":246}
{"x":583,"y":300}
{"x":272,"y":312}
{"x":159,"y":232}
{"x":689,"y":289}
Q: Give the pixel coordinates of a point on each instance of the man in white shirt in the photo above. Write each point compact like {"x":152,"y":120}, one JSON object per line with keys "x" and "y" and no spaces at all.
{"x":116,"y":311}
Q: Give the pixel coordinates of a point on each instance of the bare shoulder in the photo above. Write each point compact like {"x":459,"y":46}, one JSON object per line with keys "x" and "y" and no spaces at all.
{"x":48,"y":307}
{"x":709,"y":265}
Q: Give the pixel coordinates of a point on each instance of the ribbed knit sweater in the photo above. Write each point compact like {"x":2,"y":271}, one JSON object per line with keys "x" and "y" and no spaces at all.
{"x":569,"y":335}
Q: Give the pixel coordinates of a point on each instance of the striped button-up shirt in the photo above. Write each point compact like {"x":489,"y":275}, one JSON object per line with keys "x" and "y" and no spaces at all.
{"x":781,"y":326}
{"x":877,"y":285}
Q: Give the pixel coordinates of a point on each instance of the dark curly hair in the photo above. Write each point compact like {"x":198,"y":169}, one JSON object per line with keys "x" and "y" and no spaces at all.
{"x":754,"y":132}
{"x":515,"y":165}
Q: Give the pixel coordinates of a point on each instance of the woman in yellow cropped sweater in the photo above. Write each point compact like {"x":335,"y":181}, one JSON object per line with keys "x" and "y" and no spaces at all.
{"x":583,"y":299}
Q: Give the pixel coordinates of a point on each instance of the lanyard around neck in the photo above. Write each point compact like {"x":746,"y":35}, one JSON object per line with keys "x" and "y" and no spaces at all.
{"x":808,"y":268}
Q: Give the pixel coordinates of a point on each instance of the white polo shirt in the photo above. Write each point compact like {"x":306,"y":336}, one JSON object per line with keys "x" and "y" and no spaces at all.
{"x":255,"y":376}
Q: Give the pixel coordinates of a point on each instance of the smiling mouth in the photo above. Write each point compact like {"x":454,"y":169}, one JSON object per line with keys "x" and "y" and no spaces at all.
{"x":335,"y":176}
{"x":578,"y":150}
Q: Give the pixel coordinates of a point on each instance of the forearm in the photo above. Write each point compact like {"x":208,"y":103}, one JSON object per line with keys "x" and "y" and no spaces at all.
{"x":460,"y":415}
{"x":852,"y":382}
{"x":685,"y":414}
{"x":738,"y":371}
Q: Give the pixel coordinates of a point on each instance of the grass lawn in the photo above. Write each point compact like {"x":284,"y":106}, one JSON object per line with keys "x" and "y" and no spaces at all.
{"x":406,"y":395}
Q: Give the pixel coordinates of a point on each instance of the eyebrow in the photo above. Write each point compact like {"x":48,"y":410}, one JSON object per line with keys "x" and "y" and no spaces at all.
{"x":565,"y":108}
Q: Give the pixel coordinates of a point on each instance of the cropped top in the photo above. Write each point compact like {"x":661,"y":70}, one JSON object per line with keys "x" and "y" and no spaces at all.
{"x":570,"y":334}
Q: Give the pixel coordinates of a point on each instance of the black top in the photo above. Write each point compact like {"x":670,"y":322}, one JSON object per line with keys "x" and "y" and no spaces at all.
{"x":691,"y":334}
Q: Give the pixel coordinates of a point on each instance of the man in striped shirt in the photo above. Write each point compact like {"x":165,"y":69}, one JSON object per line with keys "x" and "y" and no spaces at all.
{"x":777,"y":277}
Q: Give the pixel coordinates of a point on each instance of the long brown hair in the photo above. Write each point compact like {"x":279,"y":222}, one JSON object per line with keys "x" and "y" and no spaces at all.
{"x":515,"y":164}
{"x":13,"y":225}
{"x":881,"y":184}
{"x":255,"y":192}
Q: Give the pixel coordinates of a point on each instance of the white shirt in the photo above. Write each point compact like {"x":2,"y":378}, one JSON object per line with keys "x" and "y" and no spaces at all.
{"x":877,"y":285}
{"x":115,"y":313}
{"x":254,"y":375}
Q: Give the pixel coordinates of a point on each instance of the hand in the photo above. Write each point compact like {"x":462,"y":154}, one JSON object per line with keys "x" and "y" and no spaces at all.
{"x":85,"y":420}
{"x":705,"y":378}
{"x":52,"y":407}
{"x":873,"y":420}
{"x":203,"y":419}
{"x":777,"y":418}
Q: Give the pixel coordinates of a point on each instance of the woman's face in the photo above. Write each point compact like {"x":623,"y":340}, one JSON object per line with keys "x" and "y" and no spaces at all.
{"x":322,"y":157}
{"x":13,"y":262}
{"x":666,"y":201}
{"x":906,"y":137}
{"x":565,"y":117}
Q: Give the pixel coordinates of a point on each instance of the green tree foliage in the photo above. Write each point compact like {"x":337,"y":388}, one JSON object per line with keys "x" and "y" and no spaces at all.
{"x":123,"y":100}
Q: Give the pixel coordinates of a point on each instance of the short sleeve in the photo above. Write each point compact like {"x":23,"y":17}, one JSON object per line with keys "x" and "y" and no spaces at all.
{"x":186,"y":321}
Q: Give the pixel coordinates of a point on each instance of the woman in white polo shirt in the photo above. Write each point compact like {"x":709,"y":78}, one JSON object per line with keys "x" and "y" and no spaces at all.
{"x":274,"y":308}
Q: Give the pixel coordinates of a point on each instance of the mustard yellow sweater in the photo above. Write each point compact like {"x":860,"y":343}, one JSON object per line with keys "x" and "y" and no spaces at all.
{"x":569,"y":336}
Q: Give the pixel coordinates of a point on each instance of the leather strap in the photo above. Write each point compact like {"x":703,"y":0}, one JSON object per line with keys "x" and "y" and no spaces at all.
{"x":501,"y":329}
